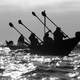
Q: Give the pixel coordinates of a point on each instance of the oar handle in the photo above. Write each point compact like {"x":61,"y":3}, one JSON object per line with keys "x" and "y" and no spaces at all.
{"x":44,"y":14}
{"x":11,"y":25}
{"x":20,"y":22}
{"x":56,"y":26}
{"x":40,"y":20}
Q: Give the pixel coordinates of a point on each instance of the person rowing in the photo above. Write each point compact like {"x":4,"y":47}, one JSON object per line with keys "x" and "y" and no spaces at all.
{"x":58,"y":34}
{"x":9,"y":43}
{"x":47,"y":40}
{"x":34,"y":41}
{"x":21,"y":41}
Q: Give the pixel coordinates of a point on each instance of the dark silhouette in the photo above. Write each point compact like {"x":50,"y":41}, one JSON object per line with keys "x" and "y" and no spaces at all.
{"x":59,"y":48}
{"x":2,"y":70}
{"x":34,"y":41}
{"x":20,"y":45}
{"x":21,"y":41}
{"x":47,"y":40}
{"x":58,"y":34}
{"x":9,"y":43}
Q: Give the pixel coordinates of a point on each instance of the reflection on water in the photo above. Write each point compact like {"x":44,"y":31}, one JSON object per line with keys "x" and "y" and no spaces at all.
{"x":24,"y":66}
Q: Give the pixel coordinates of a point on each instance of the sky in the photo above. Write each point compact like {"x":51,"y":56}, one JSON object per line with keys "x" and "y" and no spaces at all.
{"x":65,"y":13}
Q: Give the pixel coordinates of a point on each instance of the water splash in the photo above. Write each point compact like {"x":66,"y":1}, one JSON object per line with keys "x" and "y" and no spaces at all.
{"x":24,"y":66}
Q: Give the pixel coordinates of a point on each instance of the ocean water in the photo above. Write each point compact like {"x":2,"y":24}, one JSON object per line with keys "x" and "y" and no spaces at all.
{"x":19,"y":65}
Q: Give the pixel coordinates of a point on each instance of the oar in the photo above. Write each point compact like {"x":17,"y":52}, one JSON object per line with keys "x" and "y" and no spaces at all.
{"x":44,"y":24}
{"x":44,"y":14}
{"x":33,"y":13}
{"x":11,"y":25}
{"x":20,"y":22}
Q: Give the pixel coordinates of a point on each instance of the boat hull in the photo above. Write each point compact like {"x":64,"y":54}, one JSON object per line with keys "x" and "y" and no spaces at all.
{"x":57,"y":48}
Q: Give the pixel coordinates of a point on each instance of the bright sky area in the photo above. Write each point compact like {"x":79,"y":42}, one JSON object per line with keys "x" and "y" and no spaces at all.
{"x":65,"y":13}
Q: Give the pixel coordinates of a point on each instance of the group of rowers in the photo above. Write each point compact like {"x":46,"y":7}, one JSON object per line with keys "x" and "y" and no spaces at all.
{"x":47,"y":40}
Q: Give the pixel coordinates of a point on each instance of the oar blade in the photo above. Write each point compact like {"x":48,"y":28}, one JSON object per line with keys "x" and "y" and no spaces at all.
{"x":43,"y":13}
{"x":33,"y":13}
{"x":19,"y":21}
{"x":11,"y":25}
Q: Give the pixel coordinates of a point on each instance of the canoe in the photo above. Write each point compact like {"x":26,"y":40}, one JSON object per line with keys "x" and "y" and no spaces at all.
{"x":58,"y":48}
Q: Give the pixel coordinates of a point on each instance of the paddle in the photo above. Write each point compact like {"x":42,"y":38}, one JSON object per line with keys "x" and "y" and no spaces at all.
{"x":20,"y":22}
{"x":33,"y":13}
{"x":44,"y":24}
{"x":11,"y":25}
{"x":44,"y":14}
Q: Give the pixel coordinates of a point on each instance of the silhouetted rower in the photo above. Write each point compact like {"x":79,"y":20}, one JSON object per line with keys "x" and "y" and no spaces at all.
{"x":58,"y":34}
{"x":21,"y":41}
{"x":33,"y":40}
{"x":9,"y":43}
{"x":47,"y":40}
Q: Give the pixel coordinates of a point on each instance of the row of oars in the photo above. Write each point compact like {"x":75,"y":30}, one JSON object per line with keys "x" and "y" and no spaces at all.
{"x":20,"y":22}
{"x":44,"y":14}
{"x":33,"y":13}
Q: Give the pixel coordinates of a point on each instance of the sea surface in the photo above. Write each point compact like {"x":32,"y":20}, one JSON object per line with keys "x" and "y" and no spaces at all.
{"x":19,"y":65}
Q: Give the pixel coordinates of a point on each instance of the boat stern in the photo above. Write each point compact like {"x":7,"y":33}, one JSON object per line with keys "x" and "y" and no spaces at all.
{"x":77,"y":34}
